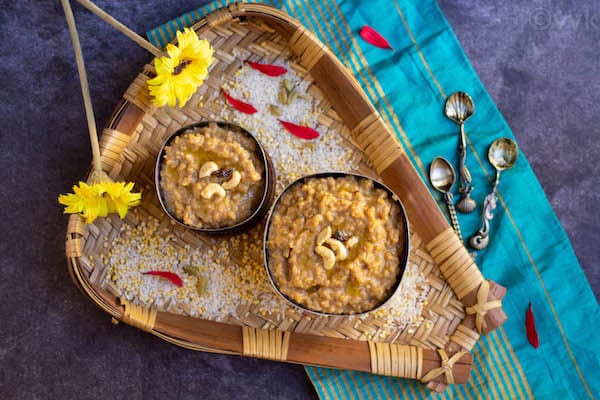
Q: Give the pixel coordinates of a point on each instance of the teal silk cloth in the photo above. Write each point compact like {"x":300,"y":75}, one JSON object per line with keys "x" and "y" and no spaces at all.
{"x":530,"y":254}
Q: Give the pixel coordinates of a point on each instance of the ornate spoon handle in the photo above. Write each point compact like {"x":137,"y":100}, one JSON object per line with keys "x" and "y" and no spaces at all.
{"x":453,"y":217}
{"x":465,"y":187}
{"x":481,"y":238}
{"x":466,"y":204}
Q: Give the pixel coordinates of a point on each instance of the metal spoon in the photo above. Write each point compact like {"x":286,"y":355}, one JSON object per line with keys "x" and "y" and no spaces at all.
{"x":502,"y":155}
{"x":442,"y":177}
{"x":459,"y":107}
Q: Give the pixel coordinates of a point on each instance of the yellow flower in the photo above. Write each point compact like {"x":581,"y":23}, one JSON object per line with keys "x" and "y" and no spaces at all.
{"x":120,"y":197}
{"x":179,"y":74}
{"x":100,"y":199}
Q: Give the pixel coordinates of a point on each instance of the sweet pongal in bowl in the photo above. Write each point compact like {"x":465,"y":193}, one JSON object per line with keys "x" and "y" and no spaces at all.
{"x":336,"y":243}
{"x":214,"y":177}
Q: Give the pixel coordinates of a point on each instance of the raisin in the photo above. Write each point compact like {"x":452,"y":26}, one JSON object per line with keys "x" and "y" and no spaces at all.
{"x":223,"y":172}
{"x":342,"y":236}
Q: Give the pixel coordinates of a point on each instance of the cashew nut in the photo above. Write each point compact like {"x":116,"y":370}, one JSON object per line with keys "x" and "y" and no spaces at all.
{"x":235,"y":179}
{"x":341,"y":252}
{"x":353,"y":241}
{"x":327,"y":255}
{"x":207,"y":168}
{"x":213,"y":189}
{"x":323,"y":235}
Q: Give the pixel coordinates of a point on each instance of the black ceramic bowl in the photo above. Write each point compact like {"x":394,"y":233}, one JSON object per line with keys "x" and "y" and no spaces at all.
{"x":404,"y":245}
{"x":266,"y":197}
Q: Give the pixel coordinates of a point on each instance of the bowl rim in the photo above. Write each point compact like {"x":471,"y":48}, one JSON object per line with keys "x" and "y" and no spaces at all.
{"x":226,"y":125}
{"x":404,"y":258}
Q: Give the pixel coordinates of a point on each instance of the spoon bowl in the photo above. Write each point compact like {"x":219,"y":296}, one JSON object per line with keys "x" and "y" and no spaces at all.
{"x":459,"y":107}
{"x":503,"y":153}
{"x":441,"y":175}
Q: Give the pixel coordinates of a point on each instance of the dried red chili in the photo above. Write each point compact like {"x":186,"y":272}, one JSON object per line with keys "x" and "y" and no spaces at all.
{"x":174,"y":278}
{"x":303,"y":132}
{"x":267,"y":69}
{"x":238,"y":104}
{"x":373,"y":37}
{"x":532,"y":334}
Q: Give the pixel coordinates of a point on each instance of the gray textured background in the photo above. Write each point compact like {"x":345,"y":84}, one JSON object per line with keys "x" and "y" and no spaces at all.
{"x":539,"y":60}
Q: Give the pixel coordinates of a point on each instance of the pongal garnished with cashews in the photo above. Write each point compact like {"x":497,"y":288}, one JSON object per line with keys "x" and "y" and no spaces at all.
{"x":211,"y":177}
{"x":336,"y":244}
{"x":212,"y":189}
{"x":334,"y":251}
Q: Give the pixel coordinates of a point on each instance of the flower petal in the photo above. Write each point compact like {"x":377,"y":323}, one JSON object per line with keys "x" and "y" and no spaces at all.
{"x":302,"y":132}
{"x":239,"y":105}
{"x":373,"y":37}
{"x":267,"y":69}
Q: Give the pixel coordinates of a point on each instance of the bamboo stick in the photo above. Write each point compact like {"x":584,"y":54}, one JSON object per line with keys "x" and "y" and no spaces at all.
{"x":85,"y":90}
{"x":120,"y":27}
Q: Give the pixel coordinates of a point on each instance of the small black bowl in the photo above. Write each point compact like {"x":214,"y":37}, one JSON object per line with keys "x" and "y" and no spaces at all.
{"x":267,"y":195}
{"x":403,"y":254}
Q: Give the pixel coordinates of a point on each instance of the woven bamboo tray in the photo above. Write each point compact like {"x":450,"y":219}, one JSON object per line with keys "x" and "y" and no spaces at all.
{"x":460,"y":304}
